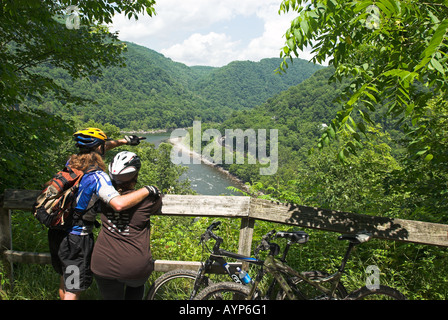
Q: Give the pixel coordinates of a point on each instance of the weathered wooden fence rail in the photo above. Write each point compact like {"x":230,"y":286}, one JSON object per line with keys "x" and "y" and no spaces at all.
{"x":248,"y":210}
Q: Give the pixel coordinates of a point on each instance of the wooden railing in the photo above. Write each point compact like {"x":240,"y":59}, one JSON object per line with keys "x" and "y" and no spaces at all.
{"x":245,"y":208}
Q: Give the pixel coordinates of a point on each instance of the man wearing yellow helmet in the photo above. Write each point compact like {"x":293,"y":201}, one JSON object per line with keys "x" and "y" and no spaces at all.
{"x":71,"y":248}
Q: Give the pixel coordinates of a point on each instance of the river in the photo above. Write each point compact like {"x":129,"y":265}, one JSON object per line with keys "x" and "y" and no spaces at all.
{"x":205,"y":179}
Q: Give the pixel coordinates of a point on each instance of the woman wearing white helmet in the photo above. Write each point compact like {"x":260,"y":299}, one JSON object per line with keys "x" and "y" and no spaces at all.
{"x":121,"y":260}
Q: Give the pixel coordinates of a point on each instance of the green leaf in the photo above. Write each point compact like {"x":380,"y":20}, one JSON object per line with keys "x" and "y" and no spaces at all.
{"x":304,"y":26}
{"x":402,"y":74}
{"x":429,"y":157}
{"x":436,"y":64}
{"x":341,"y":156}
{"x":331,"y":132}
{"x":362,"y":127}
{"x":366,"y":117}
{"x":421,"y":152}
{"x":355,"y":97}
{"x":434,"y":44}
{"x":389,"y":7}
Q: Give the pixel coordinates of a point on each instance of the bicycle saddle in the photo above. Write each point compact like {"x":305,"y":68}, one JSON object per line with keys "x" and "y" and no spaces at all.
{"x":356,"y":238}
{"x":294,"y":236}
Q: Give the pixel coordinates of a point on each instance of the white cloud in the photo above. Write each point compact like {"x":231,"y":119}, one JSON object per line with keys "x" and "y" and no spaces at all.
{"x":187,"y":31}
{"x":269,"y":44}
{"x":212,"y":49}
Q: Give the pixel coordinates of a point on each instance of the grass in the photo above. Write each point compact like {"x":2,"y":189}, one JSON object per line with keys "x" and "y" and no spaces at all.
{"x":420,"y":272}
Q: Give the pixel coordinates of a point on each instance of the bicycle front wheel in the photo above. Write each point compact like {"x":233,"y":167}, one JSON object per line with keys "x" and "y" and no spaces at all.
{"x":175,"y":285}
{"x":380,"y":293}
{"x":224,"y":291}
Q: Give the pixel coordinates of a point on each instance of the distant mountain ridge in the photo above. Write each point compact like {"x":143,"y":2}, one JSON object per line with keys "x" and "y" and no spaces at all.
{"x":154,"y":92}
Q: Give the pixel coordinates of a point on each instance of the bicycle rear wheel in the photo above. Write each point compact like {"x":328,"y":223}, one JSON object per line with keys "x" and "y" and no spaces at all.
{"x":175,"y":285}
{"x":224,"y":291}
{"x":380,"y":293}
{"x":305,"y":291}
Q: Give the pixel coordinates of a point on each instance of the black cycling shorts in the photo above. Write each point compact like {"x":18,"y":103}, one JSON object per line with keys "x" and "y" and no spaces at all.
{"x":71,"y":255}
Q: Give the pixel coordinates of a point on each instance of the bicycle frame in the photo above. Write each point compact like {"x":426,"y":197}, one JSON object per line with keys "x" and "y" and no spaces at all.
{"x":217,"y":254}
{"x":278,"y":268}
{"x":217,"y":257}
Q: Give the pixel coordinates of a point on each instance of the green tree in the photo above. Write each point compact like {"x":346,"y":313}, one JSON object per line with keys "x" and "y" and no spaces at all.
{"x":33,"y":33}
{"x":424,"y":176}
{"x":36,"y":32}
{"x":394,"y":51}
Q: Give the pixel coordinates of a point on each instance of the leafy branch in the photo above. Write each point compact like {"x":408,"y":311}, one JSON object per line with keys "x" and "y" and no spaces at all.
{"x":400,"y":62}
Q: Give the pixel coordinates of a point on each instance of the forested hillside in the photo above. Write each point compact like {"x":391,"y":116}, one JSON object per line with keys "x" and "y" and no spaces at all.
{"x":299,"y":114}
{"x":246,"y":84}
{"x":380,"y":179}
{"x":154,"y":92}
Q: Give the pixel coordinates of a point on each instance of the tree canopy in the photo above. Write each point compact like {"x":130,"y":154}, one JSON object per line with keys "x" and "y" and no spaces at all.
{"x":33,"y":33}
{"x":395,"y":53}
{"x":37,"y":32}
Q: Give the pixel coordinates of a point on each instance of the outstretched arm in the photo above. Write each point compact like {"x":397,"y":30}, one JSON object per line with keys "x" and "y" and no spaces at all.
{"x":129,"y":140}
{"x":115,"y":143}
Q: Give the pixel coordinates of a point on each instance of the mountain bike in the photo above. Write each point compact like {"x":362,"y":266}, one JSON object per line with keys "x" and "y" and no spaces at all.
{"x":183,"y":284}
{"x":300,"y":285}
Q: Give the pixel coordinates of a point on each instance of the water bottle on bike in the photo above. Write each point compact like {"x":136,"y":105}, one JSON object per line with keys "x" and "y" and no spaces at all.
{"x":244,"y":276}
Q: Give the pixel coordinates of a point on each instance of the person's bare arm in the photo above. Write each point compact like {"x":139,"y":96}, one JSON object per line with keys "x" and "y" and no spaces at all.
{"x":128,"y":200}
{"x":115,"y":143}
{"x":123,"y":202}
{"x":130,"y":140}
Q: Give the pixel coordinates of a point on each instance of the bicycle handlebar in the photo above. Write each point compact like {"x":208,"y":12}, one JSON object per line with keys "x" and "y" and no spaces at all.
{"x":265,"y":244}
{"x":213,"y":226}
{"x":293,"y":237}
{"x":209,"y":234}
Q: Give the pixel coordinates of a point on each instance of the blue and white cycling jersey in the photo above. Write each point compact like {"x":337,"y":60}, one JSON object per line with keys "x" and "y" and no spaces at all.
{"x":93,"y":186}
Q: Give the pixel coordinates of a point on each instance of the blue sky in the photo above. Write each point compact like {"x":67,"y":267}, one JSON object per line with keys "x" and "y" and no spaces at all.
{"x":210,"y":32}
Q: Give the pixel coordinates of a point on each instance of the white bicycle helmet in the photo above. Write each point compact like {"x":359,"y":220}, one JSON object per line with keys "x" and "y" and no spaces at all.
{"x":124,"y":167}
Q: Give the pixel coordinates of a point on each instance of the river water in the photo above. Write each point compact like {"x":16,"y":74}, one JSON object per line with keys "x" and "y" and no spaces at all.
{"x":205,"y":179}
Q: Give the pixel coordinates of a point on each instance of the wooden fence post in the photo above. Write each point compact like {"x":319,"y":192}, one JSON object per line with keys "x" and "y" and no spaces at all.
{"x":245,"y":241}
{"x":5,"y":244}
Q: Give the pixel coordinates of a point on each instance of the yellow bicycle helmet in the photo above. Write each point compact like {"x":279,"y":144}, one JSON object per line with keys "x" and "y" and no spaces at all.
{"x":90,"y":138}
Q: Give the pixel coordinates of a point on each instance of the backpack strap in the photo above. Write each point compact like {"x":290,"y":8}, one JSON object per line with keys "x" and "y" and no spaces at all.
{"x":71,"y":172}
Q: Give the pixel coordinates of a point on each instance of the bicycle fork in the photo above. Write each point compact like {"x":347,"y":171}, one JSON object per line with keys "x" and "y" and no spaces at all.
{"x":206,"y":267}
{"x":200,"y":278}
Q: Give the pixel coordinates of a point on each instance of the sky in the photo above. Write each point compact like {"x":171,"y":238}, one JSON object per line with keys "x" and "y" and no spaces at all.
{"x":210,"y":32}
